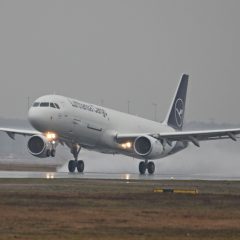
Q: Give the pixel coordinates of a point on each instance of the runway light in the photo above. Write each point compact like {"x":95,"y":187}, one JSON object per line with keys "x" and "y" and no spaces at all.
{"x":126,"y":145}
{"x":127,"y":177}
{"x":50,"y":176}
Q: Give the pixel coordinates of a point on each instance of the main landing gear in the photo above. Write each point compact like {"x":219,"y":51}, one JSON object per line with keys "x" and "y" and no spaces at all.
{"x":73,"y":164}
{"x":145,"y":165}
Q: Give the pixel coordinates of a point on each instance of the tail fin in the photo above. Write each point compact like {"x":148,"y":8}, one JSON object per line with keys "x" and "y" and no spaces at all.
{"x":176,"y":112}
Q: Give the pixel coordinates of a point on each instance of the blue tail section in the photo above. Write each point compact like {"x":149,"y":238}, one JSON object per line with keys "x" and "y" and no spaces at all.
{"x":175,"y":117}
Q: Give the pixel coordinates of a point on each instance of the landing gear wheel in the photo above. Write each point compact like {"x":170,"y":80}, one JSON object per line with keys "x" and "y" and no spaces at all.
{"x":80,"y":166}
{"x":71,"y":166}
{"x":142,"y":167}
{"x":48,"y":153}
{"x":53,"y":153}
{"x":151,"y":167}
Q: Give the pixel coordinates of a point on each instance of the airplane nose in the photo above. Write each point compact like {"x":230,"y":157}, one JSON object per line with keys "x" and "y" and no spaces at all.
{"x":38,"y":119}
{"x":33,"y":117}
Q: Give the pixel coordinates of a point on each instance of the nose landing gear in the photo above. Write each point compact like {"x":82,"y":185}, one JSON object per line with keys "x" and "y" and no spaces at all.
{"x":145,"y":165}
{"x":73,"y":164}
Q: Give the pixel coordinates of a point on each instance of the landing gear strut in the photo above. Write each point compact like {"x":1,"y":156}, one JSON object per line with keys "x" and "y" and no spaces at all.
{"x":73,"y":164}
{"x":145,"y":165}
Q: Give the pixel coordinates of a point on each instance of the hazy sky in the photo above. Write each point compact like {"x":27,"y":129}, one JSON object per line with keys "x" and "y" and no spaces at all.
{"x":120,"y":50}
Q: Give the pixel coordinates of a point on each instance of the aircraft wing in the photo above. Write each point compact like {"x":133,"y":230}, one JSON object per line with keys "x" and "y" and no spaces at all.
{"x":12,"y":131}
{"x":196,"y":136}
{"x":190,"y":136}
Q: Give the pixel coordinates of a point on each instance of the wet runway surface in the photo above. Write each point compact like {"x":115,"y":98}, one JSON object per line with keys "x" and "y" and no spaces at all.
{"x":114,"y":176}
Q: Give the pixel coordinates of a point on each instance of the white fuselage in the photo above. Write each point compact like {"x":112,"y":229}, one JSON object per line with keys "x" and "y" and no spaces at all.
{"x":91,"y":126}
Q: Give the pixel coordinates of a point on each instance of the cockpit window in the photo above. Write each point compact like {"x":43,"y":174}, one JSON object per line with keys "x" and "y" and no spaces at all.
{"x":52,"y":105}
{"x":44,"y":104}
{"x":36,"y":104}
{"x":57,"y":106}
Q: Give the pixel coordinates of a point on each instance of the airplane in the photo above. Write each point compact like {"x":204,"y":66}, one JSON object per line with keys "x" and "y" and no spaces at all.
{"x":76,"y":124}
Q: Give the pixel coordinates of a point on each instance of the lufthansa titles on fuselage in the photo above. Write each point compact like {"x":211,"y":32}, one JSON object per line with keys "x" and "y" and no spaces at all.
{"x":88,"y":107}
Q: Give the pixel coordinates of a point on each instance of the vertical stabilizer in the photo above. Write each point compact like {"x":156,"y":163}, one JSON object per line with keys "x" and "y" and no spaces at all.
{"x":176,"y":112}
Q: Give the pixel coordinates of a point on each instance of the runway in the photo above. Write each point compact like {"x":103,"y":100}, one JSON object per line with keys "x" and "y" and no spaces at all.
{"x":114,"y":176}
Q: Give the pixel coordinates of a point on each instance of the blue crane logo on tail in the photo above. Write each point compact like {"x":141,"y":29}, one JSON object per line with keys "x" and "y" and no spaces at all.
{"x":179,"y":112}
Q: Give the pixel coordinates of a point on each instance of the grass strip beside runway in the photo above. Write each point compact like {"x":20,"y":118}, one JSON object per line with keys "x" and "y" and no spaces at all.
{"x":116,"y":209}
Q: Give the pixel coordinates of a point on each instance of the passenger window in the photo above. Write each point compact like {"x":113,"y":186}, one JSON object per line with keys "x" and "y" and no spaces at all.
{"x":36,"y":104}
{"x":44,"y":104}
{"x":52,"y":105}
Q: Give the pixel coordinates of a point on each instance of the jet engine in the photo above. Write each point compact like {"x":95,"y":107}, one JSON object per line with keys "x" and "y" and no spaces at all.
{"x":148,"y":147}
{"x":39,"y":146}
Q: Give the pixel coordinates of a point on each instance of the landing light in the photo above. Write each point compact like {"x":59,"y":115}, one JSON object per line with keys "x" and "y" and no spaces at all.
{"x":51,"y":136}
{"x":126,"y":145}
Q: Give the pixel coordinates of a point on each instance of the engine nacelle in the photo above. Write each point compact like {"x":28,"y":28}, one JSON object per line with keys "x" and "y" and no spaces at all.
{"x":148,"y":147}
{"x":39,"y":146}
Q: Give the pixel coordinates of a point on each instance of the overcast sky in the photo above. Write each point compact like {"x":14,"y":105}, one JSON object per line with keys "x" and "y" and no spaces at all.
{"x":117,"y":51}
